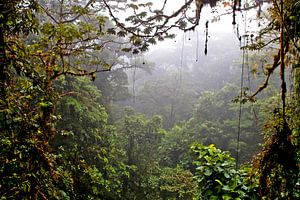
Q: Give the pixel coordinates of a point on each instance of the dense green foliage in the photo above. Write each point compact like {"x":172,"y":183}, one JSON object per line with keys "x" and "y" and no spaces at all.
{"x":82,"y":132}
{"x":63,"y":136}
{"x":217,"y":176}
{"x":26,"y":108}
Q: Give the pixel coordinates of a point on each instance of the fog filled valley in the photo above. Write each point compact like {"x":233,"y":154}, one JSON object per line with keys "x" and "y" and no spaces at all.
{"x":135,"y":99}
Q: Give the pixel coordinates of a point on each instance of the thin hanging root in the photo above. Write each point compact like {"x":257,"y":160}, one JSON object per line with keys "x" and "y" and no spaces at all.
{"x":197,"y":48}
{"x":233,"y":12}
{"x":206,"y":37}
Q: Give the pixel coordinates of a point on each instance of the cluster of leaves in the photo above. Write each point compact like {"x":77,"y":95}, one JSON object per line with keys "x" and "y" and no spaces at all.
{"x":146,"y":23}
{"x":217,"y":177}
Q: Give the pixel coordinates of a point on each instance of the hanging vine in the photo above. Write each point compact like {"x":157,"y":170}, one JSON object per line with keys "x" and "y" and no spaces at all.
{"x":277,"y":164}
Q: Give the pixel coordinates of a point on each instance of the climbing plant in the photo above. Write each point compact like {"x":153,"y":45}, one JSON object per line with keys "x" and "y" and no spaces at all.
{"x":278,"y":163}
